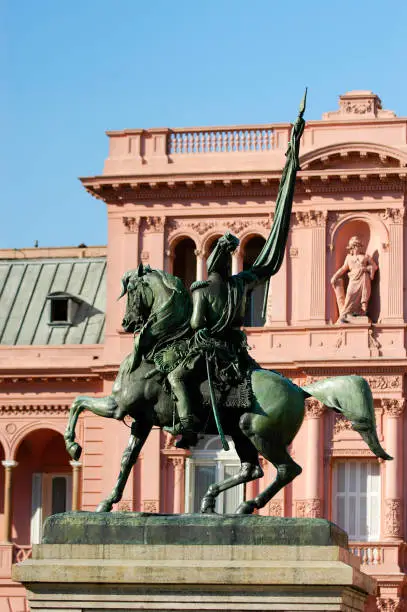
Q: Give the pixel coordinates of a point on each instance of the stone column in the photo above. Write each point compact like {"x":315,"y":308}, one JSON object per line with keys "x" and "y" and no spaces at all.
{"x":8,"y":464}
{"x":76,"y":484}
{"x":315,"y":461}
{"x":393,"y":495}
{"x":395,"y":218}
{"x":131,"y":243}
{"x":178,"y":463}
{"x":200,"y":265}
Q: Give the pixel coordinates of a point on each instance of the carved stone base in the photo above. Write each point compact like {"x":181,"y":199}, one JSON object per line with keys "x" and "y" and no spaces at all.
{"x":192,"y":562}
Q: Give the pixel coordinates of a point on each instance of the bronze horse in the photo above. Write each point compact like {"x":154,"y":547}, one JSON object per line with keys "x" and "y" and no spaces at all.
{"x":159,"y":308}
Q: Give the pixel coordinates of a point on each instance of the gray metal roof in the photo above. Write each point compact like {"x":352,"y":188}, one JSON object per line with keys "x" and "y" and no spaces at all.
{"x":24,"y":308}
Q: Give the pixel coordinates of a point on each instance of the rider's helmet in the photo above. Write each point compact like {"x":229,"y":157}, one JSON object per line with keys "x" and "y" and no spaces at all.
{"x":219,"y":259}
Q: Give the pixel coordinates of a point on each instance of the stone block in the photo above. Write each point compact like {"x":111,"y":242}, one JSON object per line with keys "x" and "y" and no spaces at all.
{"x":128,"y":561}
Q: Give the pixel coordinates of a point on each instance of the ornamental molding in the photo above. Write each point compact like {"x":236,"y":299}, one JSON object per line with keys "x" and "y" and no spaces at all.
{"x":351,"y":452}
{"x":275,"y":508}
{"x":154,"y":224}
{"x":393,"y":215}
{"x":311,"y":218}
{"x":178,"y":461}
{"x":377,"y":382}
{"x":132,"y":224}
{"x":30,"y":378}
{"x":393,"y":518}
{"x":385,"y":604}
{"x":341,"y":425}
{"x":24,"y":410}
{"x":313,"y":408}
{"x":124,"y":505}
{"x":151,"y":505}
{"x":393,"y":407}
{"x":308,"y":508}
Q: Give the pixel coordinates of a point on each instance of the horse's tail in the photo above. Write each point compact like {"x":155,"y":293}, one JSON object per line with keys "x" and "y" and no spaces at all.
{"x":352,"y":397}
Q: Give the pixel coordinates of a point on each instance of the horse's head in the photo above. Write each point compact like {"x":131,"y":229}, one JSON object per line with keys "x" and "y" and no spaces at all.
{"x":139,"y":298}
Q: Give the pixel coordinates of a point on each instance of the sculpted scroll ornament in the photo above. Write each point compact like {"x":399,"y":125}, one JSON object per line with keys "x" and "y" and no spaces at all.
{"x":341,"y":425}
{"x":393,"y":518}
{"x":313,"y":408}
{"x":154,"y":224}
{"x":131,"y":223}
{"x":311,"y":218}
{"x":385,"y":604}
{"x":393,"y":407}
{"x":394,"y":215}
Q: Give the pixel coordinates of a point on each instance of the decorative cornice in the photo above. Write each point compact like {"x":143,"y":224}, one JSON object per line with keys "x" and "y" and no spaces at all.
{"x":22,"y":410}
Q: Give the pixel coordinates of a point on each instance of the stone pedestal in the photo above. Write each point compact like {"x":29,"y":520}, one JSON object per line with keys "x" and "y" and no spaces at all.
{"x":130,"y":561}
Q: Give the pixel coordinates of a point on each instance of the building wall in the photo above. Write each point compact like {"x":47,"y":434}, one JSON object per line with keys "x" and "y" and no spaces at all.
{"x":165,"y":186}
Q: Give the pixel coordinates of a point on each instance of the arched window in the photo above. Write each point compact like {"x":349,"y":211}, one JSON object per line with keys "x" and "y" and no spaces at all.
{"x":44,"y":471}
{"x":253,"y":316}
{"x":212,"y":245}
{"x":185,"y":261}
{"x":207,"y":464}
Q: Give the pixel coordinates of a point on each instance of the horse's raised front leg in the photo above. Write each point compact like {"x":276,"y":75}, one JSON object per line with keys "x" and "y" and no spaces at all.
{"x":101,"y":406}
{"x":249,"y":470}
{"x":139,"y":434}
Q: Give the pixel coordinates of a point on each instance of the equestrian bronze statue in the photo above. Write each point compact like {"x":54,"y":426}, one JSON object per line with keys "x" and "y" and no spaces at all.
{"x":190,"y":371}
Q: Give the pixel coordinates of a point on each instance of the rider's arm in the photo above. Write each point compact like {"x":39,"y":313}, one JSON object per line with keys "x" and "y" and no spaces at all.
{"x":198,"y":319}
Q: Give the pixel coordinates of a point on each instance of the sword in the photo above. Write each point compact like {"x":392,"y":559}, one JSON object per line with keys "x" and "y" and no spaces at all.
{"x":214,"y":406}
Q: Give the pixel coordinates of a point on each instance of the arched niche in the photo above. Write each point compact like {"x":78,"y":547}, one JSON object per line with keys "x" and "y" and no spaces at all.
{"x":184,"y":260}
{"x":43,"y":466}
{"x":251,"y":247}
{"x":374,"y":236}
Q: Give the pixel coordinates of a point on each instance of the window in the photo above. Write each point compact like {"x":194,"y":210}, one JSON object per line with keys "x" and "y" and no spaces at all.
{"x":59,"y":310}
{"x":62,"y":308}
{"x":356,"y":499}
{"x":209,"y":463}
{"x":51,"y":494}
{"x":185,"y":261}
{"x":254,"y":307}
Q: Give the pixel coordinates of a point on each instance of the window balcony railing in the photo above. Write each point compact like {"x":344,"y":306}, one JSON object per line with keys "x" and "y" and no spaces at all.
{"x":370,"y":553}
{"x":21,"y":553}
{"x":374,"y":554}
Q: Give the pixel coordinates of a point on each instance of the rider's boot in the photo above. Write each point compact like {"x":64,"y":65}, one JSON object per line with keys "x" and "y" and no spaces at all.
{"x":185,"y":427}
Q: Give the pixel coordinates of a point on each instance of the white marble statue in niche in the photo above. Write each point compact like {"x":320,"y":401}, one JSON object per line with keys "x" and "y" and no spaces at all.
{"x":361,"y":269}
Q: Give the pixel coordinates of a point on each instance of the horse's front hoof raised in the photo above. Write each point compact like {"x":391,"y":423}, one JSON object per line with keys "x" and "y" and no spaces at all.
{"x":104,"y":506}
{"x":75,"y":450}
{"x":246,"y":507}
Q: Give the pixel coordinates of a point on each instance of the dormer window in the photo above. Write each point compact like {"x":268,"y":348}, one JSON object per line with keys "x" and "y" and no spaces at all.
{"x":62,"y":308}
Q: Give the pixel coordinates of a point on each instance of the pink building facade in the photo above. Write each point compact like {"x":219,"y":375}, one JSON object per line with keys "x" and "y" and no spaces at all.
{"x":169,"y":194}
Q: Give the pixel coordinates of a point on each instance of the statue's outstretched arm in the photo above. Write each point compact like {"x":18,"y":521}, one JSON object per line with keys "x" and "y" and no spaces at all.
{"x":340,"y":271}
{"x":271,"y":257}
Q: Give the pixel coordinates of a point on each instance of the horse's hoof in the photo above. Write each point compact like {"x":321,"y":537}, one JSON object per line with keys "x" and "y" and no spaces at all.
{"x":75,"y":450}
{"x":246,"y":507}
{"x":208,"y":505}
{"x":104,"y":506}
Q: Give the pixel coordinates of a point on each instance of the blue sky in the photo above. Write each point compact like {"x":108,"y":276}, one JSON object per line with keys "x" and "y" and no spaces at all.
{"x":72,"y":69}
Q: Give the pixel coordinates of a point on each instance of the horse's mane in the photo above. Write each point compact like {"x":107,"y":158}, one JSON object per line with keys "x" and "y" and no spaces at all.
{"x":171,"y":321}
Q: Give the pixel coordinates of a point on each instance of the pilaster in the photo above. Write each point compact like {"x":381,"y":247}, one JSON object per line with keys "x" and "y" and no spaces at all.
{"x":314,"y":411}
{"x":393,"y":497}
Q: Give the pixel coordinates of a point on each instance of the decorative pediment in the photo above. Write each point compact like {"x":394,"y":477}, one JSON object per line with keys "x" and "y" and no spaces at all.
{"x":357,"y":105}
{"x":353,"y":156}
